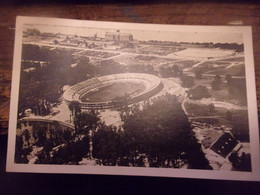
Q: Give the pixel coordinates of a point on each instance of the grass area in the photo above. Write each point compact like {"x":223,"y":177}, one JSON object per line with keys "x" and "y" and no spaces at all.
{"x":237,"y":59}
{"x":205,"y":67}
{"x":186,"y":63}
{"x":206,"y":80}
{"x":238,"y":123}
{"x":159,"y":50}
{"x":240,"y":130}
{"x":224,"y":96}
{"x":204,"y":110}
{"x":222,"y":63}
{"x":197,"y":109}
{"x":237,"y":70}
{"x":221,"y":95}
{"x":238,"y":96}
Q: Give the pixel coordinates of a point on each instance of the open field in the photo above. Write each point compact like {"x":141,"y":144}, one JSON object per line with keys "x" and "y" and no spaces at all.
{"x":204,"y":53}
{"x":236,"y":69}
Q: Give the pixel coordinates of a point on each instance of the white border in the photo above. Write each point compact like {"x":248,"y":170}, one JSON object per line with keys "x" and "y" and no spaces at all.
{"x":138,"y":171}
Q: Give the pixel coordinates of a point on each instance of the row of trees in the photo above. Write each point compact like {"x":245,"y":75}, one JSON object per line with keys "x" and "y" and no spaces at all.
{"x":171,"y":71}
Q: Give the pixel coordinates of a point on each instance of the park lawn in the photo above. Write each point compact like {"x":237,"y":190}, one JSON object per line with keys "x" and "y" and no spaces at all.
{"x":236,"y":70}
{"x":237,"y":59}
{"x":196,"y":109}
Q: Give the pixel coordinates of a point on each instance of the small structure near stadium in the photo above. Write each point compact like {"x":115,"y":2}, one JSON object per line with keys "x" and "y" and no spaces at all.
{"x":113,"y":90}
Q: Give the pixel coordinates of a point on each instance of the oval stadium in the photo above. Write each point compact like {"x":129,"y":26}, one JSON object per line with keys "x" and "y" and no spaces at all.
{"x":113,"y":90}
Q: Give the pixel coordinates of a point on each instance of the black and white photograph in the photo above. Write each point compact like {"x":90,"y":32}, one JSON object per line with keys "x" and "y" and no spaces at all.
{"x":114,"y":98}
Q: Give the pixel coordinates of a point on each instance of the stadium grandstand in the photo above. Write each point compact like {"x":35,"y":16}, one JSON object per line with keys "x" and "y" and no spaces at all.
{"x":141,"y":87}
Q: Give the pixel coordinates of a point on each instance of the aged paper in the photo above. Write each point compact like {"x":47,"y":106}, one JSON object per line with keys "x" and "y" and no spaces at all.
{"x":113,"y":98}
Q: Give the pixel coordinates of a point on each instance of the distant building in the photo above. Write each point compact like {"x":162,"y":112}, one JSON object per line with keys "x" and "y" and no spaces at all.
{"x":117,"y":36}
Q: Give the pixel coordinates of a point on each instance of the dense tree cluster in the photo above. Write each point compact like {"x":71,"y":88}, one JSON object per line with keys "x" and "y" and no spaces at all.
{"x":40,"y":88}
{"x":42,"y":134}
{"x":59,"y":145}
{"x":241,"y":163}
{"x":198,"y":92}
{"x":70,"y":152}
{"x":187,"y":81}
{"x":158,"y":135}
{"x":21,"y":152}
{"x":216,"y":83}
{"x":198,"y":74}
{"x":173,"y":71}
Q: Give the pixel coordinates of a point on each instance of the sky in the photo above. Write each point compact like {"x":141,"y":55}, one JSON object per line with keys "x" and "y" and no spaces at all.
{"x":144,"y":35}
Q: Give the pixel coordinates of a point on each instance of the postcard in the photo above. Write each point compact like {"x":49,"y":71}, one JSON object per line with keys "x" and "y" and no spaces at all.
{"x":111,"y":98}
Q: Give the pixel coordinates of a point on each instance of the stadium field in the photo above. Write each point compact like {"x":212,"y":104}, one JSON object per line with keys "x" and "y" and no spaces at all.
{"x":113,"y":91}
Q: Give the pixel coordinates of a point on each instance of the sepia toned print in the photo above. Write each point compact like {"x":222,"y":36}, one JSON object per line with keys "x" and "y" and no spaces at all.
{"x":133,"y":99}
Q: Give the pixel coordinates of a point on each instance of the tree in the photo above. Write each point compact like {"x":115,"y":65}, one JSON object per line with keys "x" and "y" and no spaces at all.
{"x":198,"y":93}
{"x":217,"y":78}
{"x":67,"y":136}
{"x":198,"y":74}
{"x":83,"y":61}
{"x":74,"y":107}
{"x":41,"y":134}
{"x":240,"y":163}
{"x":187,"y":81}
{"x":228,"y":79}
{"x":180,"y":73}
{"x":27,"y":136}
{"x":107,"y":67}
{"x":229,"y":115}
{"x":165,"y":71}
{"x":20,"y":152}
{"x":54,"y":126}
{"x":55,"y":42}
{"x":211,"y":108}
{"x":107,"y":146}
{"x":88,"y":120}
{"x":175,"y":70}
{"x":166,"y":139}
{"x":216,"y":83}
